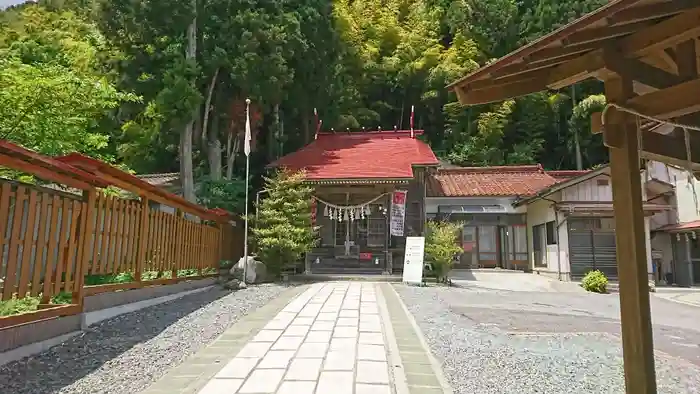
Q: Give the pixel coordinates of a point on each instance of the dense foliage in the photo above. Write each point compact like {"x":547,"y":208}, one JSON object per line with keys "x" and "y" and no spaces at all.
{"x":159,"y":86}
{"x":595,"y":281}
{"x":283,"y":230}
{"x":442,"y":246}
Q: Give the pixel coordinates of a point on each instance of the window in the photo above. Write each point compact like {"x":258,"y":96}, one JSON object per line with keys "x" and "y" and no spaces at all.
{"x":538,"y":239}
{"x":376,"y":229}
{"x":551,"y":233}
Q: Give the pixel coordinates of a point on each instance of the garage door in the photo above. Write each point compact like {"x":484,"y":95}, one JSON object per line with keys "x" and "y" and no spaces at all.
{"x":592,"y":247}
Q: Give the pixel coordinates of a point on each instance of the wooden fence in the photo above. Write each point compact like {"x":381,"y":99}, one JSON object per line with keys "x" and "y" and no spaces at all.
{"x":55,"y":242}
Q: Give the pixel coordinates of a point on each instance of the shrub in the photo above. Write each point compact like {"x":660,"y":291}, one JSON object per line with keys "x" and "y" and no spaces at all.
{"x":595,"y":281}
{"x":441,"y":247}
{"x":283,"y":231}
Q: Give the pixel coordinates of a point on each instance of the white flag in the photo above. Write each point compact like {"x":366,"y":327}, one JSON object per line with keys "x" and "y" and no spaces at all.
{"x":246,"y":142}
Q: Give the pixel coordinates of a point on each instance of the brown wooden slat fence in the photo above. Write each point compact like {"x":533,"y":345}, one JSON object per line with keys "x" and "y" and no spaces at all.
{"x":51,"y":240}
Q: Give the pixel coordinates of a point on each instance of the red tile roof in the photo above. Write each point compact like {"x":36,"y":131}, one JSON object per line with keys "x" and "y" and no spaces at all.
{"x":565,"y":175}
{"x":360,"y":155}
{"x":489,"y":181}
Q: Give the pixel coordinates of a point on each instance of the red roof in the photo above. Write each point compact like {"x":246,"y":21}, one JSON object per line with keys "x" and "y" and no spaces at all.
{"x":360,"y":155}
{"x":680,"y":227}
{"x":489,"y":181}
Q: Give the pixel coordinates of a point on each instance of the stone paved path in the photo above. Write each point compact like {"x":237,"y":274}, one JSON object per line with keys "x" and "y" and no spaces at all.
{"x":327,"y":340}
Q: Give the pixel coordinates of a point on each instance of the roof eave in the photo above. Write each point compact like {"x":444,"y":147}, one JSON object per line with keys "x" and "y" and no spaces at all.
{"x":562,"y":185}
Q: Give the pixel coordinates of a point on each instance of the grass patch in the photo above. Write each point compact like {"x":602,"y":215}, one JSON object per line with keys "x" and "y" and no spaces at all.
{"x":17,"y":306}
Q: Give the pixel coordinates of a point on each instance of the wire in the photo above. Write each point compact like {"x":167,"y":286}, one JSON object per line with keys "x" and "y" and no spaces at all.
{"x":641,"y":115}
{"x":686,"y":138}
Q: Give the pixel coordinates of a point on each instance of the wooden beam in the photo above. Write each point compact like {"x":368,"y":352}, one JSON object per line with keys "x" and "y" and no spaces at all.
{"x":561,"y":51}
{"x":663,"y":35}
{"x":576,"y":70}
{"x":630,"y":235}
{"x":598,"y":34}
{"x":639,"y":71}
{"x":493,"y":82}
{"x":503,"y":92}
{"x":531,"y":65}
{"x":687,"y":60}
{"x":678,"y":100}
{"x":651,"y":11}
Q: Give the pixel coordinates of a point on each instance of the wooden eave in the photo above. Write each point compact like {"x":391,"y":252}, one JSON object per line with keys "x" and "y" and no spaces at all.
{"x":652,"y":43}
{"x":358,"y":182}
{"x":125,"y":181}
{"x":44,"y":167}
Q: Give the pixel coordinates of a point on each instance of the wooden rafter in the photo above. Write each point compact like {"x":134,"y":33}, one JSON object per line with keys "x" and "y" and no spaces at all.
{"x":640,"y":71}
{"x":678,"y":100}
{"x":651,"y":11}
{"x":604,"y":33}
{"x":663,"y":35}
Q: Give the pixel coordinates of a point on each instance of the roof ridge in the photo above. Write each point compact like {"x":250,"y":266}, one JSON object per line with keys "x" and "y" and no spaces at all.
{"x":525,"y":168}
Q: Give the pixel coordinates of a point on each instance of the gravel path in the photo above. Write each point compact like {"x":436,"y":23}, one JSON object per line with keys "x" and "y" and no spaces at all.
{"x":480,"y":354}
{"x":125,"y":354}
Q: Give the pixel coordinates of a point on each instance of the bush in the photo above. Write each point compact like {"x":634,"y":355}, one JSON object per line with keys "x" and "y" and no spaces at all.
{"x":595,"y":281}
{"x":441,"y":247}
{"x":283,"y":231}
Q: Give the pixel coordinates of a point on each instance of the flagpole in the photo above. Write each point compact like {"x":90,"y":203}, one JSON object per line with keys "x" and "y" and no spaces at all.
{"x":246,"y":148}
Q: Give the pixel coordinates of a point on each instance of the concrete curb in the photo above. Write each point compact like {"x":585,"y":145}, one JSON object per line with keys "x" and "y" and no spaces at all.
{"x":436,"y":366}
{"x":400,"y":384}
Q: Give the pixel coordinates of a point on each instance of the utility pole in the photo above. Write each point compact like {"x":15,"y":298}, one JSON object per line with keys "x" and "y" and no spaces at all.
{"x":577,"y":143}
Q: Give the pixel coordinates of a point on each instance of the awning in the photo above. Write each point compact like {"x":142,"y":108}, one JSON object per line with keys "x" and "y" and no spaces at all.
{"x":606,"y":208}
{"x":680,"y":227}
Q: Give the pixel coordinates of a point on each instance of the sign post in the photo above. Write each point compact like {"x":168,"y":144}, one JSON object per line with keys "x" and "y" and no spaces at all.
{"x":413,"y":260}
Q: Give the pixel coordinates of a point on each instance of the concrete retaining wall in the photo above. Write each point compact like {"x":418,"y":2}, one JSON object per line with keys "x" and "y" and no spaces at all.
{"x":39,"y":331}
{"x":108,"y":300}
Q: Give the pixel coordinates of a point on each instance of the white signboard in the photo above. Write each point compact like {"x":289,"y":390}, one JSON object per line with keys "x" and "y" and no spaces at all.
{"x":413,"y":260}
{"x":398,"y":213}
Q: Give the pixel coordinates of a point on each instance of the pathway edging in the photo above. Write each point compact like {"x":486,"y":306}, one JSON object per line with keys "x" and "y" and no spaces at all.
{"x":414,"y":350}
{"x":196,"y":371}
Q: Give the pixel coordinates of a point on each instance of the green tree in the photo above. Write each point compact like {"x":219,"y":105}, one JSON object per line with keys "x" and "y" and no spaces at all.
{"x":283,"y":231}
{"x":441,"y":247}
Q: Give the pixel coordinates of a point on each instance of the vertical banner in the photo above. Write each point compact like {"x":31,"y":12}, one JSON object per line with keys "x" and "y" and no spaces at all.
{"x":314,"y":209}
{"x":398,"y":213}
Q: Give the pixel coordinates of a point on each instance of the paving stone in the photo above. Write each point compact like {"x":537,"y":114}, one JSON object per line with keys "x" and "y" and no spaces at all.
{"x":262,"y":381}
{"x":347,"y":321}
{"x":345,"y":332}
{"x":371,"y":319}
{"x":372,"y":372}
{"x":278,"y":324}
{"x":304,"y":369}
{"x":371,"y":352}
{"x":288,"y":343}
{"x":296,"y":331}
{"x":254,"y":349}
{"x":370,"y":327}
{"x":349,"y":313}
{"x":267,"y":336}
{"x":297,"y":388}
{"x":372,"y":389}
{"x":312,"y":350}
{"x":221,"y":386}
{"x":338,"y":360}
{"x":303,"y":321}
{"x":239,"y":367}
{"x":327,"y":317}
{"x":371,"y":338}
{"x":345,"y":344}
{"x":334,"y":382}
{"x":318,"y":336}
{"x":323,"y":326}
{"x":276,"y":359}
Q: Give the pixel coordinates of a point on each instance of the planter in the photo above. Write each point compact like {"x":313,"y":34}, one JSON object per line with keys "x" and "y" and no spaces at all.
{"x":112,"y":299}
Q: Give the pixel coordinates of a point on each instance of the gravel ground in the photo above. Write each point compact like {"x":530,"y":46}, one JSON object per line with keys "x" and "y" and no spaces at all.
{"x":481,"y":353}
{"x":126,"y":354}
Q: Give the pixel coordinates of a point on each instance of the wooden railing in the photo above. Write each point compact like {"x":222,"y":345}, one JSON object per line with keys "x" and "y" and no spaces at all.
{"x":55,"y":242}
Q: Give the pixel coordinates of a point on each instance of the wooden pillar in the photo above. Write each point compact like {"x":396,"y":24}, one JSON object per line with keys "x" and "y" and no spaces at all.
{"x":85,"y":239}
{"x":143,"y":239}
{"x":637,"y":339}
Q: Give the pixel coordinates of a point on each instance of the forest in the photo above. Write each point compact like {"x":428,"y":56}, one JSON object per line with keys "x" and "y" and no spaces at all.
{"x":160,"y":86}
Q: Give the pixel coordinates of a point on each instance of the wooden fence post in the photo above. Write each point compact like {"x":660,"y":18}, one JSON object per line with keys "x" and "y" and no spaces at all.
{"x":143,"y":239}
{"x":85,"y":230}
{"x":179,"y":213}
